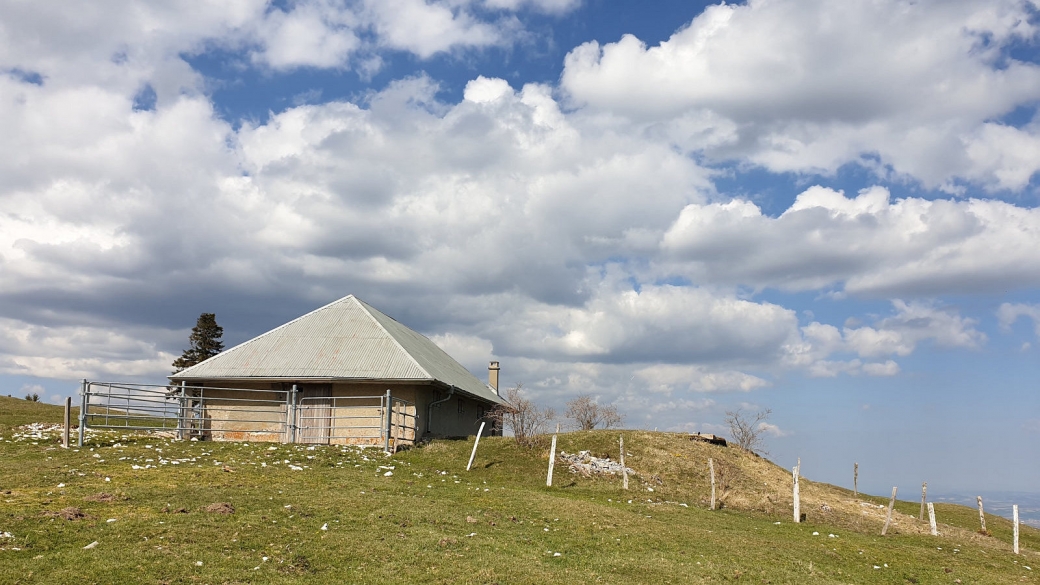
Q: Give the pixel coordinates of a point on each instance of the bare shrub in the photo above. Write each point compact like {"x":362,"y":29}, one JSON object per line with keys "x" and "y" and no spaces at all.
{"x":747,"y":430}
{"x":521,"y":416}
{"x":588,"y":415}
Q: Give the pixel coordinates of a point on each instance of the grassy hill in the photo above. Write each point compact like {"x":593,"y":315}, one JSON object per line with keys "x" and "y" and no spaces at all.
{"x":344,"y":515}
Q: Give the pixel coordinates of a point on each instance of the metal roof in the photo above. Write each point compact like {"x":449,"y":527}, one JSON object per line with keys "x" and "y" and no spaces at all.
{"x":347,"y":339}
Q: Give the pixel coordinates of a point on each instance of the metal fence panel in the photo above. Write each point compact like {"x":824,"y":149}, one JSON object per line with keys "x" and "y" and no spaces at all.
{"x":309,"y":414}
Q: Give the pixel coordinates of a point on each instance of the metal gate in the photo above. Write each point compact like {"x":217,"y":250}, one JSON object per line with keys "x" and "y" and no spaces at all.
{"x":305,"y":413}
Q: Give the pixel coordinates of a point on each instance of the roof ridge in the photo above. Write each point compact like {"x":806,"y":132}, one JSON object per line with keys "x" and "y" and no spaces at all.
{"x":368,"y":311}
{"x":265,"y":334}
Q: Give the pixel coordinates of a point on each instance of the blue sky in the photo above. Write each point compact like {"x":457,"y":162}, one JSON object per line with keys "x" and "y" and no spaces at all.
{"x":826,"y":209}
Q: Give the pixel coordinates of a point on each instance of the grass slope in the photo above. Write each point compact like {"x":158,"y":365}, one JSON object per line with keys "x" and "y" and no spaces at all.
{"x":419,"y":517}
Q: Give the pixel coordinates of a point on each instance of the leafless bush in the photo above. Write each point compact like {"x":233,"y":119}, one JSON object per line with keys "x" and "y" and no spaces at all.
{"x":522,"y":417}
{"x":747,"y":429}
{"x":589,"y":415}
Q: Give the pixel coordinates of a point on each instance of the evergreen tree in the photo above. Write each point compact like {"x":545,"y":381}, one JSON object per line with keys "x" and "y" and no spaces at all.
{"x":205,"y":342}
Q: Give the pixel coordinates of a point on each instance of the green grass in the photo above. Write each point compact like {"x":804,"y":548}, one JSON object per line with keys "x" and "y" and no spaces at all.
{"x":18,"y":411}
{"x":433,"y":522}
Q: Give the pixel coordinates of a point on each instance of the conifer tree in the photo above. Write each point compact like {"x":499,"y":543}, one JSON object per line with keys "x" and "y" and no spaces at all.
{"x":205,"y":342}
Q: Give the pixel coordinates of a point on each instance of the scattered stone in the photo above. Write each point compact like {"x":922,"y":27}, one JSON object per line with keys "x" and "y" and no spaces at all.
{"x":584,"y":463}
{"x":220,"y":508}
{"x":91,"y":545}
{"x":471,"y":520}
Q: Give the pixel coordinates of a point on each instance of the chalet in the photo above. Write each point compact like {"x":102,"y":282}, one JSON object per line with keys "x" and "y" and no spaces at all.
{"x":342,"y":374}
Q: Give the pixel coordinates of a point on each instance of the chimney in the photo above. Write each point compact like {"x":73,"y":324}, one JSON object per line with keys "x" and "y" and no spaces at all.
{"x":493,"y":376}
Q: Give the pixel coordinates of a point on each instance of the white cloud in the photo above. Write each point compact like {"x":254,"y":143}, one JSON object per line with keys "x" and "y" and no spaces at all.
{"x":668,"y":378}
{"x":426,"y":27}
{"x":913,"y":324}
{"x":75,"y":352}
{"x":866,"y":244}
{"x":773,"y":430}
{"x":548,"y":6}
{"x":28,"y":389}
{"x":1009,"y":313}
{"x":808,"y":86}
{"x":314,"y":34}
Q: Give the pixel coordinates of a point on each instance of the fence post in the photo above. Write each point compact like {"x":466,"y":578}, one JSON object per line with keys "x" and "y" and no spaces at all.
{"x":982,"y":516}
{"x":855,"y":480}
{"x":797,"y":503}
{"x":888,"y":518}
{"x":291,"y":415}
{"x":84,"y":400}
{"x":68,"y":422}
{"x":711,"y":468}
{"x":1014,"y":521}
{"x":389,"y":420}
{"x":182,"y":414}
{"x":931,"y":519}
{"x":924,"y":497}
{"x":475,"y":443}
{"x":552,"y":462}
{"x":624,"y":470}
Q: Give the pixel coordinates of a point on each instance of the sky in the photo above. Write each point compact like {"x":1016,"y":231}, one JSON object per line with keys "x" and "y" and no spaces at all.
{"x":826,"y":209}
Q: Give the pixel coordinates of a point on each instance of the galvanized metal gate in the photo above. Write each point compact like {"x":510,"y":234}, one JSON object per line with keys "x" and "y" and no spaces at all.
{"x":305,"y":413}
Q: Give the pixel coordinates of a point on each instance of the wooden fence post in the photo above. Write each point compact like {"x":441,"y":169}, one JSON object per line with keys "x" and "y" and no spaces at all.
{"x":475,"y":443}
{"x":924,"y":497}
{"x":855,"y":480}
{"x":711,"y":468}
{"x":624,"y":470}
{"x":931,"y":519}
{"x":1014,"y":521}
{"x":552,"y":462}
{"x":982,"y":516}
{"x":888,"y":518}
{"x":68,"y":422}
{"x":797,"y":503}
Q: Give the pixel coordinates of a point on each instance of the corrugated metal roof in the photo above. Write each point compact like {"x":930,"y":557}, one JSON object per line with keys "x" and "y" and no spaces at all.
{"x":346,"y":339}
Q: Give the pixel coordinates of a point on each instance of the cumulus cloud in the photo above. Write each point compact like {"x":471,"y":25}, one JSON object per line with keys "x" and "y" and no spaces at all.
{"x":900,"y":334}
{"x":810,"y":86}
{"x":314,"y":34}
{"x":1009,"y":313}
{"x":772,"y":430}
{"x":74,"y":352}
{"x":867,"y":244}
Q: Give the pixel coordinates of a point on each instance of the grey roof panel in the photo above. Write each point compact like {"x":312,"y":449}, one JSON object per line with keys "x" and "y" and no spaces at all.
{"x":346,"y":339}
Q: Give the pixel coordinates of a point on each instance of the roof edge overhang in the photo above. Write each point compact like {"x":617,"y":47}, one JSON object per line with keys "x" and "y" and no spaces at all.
{"x":397,"y":382}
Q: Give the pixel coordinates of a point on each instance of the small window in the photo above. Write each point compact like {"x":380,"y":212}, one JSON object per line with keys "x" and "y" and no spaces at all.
{"x":462,"y":407}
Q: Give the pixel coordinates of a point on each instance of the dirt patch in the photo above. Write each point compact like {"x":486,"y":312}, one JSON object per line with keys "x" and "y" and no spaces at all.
{"x":220,"y":508}
{"x":69,"y":513}
{"x":296,"y":565}
{"x":100,"y":497}
{"x":167,"y":510}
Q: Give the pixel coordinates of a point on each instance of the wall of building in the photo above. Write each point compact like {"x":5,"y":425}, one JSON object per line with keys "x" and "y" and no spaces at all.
{"x":255,"y":414}
{"x":338,"y":413}
{"x":459,"y":417}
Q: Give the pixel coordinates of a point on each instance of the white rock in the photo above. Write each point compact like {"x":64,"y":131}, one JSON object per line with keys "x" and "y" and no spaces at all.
{"x":91,"y":545}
